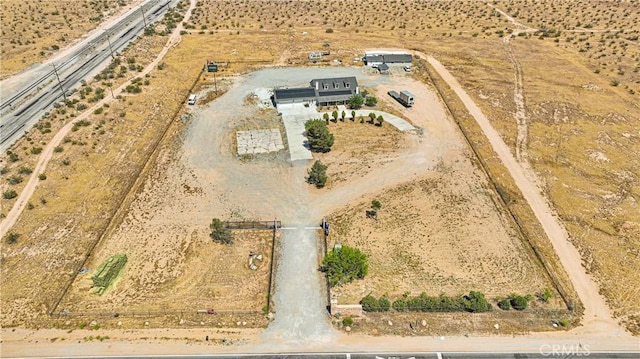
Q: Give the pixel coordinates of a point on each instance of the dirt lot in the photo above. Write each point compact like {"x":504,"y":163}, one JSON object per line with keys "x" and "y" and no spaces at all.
{"x":442,"y":231}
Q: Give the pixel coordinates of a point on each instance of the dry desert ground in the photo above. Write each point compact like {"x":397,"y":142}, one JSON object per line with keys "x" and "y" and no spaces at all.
{"x":144,"y":175}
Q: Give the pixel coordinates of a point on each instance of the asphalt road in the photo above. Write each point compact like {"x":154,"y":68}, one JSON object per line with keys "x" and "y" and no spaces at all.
{"x":25,"y":102}
{"x":543,"y":354}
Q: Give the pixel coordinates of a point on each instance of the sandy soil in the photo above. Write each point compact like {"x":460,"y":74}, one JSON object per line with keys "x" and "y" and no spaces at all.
{"x":596,"y":311}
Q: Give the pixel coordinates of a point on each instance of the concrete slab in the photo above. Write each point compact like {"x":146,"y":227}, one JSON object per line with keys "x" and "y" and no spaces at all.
{"x":294,"y":116}
{"x":259,"y":141}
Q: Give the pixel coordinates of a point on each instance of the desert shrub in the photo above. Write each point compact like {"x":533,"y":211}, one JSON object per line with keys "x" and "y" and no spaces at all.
{"x":36,"y":150}
{"x":9,"y":194}
{"x":399,"y":305}
{"x":371,"y":101}
{"x":219,"y":232}
{"x":476,"y":302}
{"x":518,"y":302}
{"x":12,"y":237}
{"x":329,"y":31}
{"x":347,"y":321}
{"x":317,"y":174}
{"x":66,"y":161}
{"x":504,"y":304}
{"x":13,"y":157}
{"x":58,"y":149}
{"x":4,"y":170}
{"x":318,"y":135}
{"x":370,"y":304}
{"x":343,"y":265}
{"x":42,"y":176}
{"x":24,"y":170}
{"x":384,"y":304}
{"x":545,"y":295}
{"x":15,"y":179}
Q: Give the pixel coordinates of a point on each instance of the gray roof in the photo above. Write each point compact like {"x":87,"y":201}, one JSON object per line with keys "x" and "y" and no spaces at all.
{"x":335,"y":84}
{"x":397,"y":58}
{"x":389,"y":58}
{"x":295,"y":93}
{"x":373,"y":58}
{"x":383,"y":67}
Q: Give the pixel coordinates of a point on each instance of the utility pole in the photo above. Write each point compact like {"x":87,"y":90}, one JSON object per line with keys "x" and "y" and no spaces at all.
{"x":110,"y":48}
{"x":215,"y":82}
{"x":64,"y":96}
{"x":143,"y":18}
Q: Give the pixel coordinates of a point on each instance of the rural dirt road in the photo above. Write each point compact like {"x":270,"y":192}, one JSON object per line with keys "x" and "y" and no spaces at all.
{"x":47,"y":153}
{"x":596,"y":314}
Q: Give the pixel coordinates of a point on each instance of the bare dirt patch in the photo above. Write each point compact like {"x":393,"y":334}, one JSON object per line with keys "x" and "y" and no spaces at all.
{"x":439,"y":234}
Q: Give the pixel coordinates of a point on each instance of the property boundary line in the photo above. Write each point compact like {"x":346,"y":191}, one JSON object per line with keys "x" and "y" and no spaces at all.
{"x":129,"y":191}
{"x":519,"y":226}
{"x":276,"y":224}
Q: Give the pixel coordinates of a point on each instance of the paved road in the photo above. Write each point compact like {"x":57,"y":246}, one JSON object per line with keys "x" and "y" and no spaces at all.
{"x":542,"y":355}
{"x":29,"y":95}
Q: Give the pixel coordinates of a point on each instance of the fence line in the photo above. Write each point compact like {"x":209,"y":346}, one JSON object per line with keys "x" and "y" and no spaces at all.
{"x":131,"y":188}
{"x":150,"y":313}
{"x":273,"y":259}
{"x":253,"y":224}
{"x":564,"y":294}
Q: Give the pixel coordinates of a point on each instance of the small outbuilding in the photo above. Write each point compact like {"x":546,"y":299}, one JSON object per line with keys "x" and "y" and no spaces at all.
{"x":383,"y":68}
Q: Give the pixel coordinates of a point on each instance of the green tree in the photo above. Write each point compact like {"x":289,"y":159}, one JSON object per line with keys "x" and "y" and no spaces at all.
{"x":355,"y":101}
{"x":343,"y":115}
{"x":219,"y":232}
{"x":343,"y":265}
{"x":334,"y":114}
{"x":376,"y":205}
{"x":318,"y":174}
{"x":371,"y":101}
{"x":380,"y":120}
{"x":353,"y":115}
{"x":319,"y":137}
{"x":372,"y":117}
{"x":326,"y":117}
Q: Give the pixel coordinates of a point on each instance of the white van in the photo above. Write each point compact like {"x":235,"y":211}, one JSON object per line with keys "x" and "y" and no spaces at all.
{"x":192,"y":99}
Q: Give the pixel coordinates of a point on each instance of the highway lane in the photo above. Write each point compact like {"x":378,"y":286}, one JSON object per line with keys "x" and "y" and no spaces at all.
{"x":37,"y":93}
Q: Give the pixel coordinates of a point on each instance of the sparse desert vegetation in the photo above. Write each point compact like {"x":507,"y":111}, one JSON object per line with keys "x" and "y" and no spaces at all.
{"x":34,"y":30}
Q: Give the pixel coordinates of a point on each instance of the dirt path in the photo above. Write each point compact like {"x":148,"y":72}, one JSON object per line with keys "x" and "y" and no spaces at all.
{"x":597,"y":315}
{"x":24,"y":197}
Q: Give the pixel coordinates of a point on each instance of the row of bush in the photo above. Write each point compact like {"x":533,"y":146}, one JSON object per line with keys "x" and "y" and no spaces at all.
{"x":474,"y":302}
